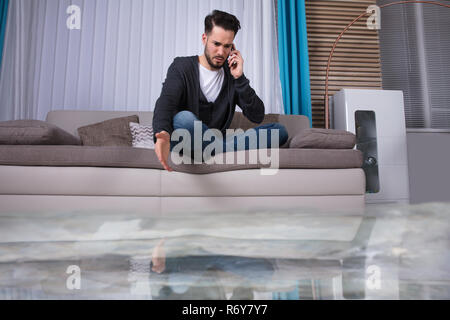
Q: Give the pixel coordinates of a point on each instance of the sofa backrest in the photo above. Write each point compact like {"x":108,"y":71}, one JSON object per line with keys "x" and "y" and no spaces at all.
{"x":71,"y":120}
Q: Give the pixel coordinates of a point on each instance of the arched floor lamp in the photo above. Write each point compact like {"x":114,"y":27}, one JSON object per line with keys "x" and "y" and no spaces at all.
{"x":345,"y":29}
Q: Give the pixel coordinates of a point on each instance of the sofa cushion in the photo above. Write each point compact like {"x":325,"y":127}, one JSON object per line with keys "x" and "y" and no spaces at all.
{"x":293,"y":123}
{"x":34,"y":132}
{"x":241,"y":122}
{"x":142,"y":135}
{"x":113,"y":132}
{"x":316,"y":138}
{"x":129,"y":157}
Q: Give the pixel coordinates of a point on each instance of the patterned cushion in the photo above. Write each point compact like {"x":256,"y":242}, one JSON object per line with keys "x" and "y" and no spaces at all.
{"x":142,"y":135}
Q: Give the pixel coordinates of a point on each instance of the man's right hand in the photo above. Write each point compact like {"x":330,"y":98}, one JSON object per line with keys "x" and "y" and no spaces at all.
{"x":162,"y":148}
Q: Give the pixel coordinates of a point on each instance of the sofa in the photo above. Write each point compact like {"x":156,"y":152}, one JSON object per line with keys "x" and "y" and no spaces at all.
{"x":118,"y":178}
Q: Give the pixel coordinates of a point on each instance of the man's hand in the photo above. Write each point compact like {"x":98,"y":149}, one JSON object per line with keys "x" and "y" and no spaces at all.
{"x":159,"y":258}
{"x":236,"y":63}
{"x":162,"y":148}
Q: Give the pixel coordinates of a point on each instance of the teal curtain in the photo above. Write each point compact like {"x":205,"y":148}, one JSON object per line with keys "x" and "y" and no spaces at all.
{"x":3,"y":16}
{"x":293,"y":57}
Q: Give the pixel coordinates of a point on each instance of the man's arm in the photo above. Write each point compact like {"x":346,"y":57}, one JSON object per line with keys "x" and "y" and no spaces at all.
{"x":168,"y":102}
{"x":165,"y":109}
{"x":247,"y":99}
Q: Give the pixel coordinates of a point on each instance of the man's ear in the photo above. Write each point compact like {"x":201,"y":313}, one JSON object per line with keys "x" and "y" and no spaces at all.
{"x":204,"y":39}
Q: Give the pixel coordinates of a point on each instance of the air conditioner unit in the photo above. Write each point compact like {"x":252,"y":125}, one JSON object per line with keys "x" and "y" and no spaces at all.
{"x":377,"y":119}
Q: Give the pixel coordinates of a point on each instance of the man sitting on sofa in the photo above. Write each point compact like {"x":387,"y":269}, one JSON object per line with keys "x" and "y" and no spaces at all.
{"x":207,"y":88}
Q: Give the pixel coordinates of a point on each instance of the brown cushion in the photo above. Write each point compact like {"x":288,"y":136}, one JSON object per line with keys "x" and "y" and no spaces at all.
{"x":34,"y":132}
{"x":316,"y":138}
{"x":113,"y":132}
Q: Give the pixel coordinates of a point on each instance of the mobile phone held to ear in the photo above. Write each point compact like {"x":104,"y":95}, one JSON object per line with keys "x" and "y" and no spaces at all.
{"x":232,"y":55}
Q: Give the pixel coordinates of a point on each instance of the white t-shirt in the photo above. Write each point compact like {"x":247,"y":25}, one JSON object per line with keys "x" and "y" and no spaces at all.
{"x":210,"y":82}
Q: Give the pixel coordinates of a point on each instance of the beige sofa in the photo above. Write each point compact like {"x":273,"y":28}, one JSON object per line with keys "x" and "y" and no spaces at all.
{"x":85,"y":178}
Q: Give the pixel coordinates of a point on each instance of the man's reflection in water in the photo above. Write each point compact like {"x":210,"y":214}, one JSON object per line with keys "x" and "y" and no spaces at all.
{"x":199,"y":276}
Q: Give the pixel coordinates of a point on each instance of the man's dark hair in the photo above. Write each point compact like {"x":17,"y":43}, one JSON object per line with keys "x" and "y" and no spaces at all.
{"x":222,"y":19}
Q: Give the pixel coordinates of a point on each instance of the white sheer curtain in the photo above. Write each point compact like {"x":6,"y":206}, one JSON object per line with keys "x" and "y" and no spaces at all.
{"x":119,"y":58}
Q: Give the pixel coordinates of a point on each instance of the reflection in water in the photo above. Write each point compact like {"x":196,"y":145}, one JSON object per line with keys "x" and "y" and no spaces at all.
{"x":387,"y":252}
{"x":199,"y":277}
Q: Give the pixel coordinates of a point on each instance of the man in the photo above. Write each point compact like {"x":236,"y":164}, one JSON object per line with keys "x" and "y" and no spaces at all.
{"x":207,"y":88}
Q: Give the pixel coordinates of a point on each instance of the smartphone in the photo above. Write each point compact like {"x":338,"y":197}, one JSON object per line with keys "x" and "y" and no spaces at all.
{"x":231,"y":54}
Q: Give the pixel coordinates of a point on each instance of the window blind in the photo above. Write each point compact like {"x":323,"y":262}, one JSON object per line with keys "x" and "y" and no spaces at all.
{"x":415,"y":42}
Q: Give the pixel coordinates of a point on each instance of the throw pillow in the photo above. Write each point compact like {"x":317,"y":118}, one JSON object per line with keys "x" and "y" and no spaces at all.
{"x":142,"y":135}
{"x":241,"y":122}
{"x":113,"y":132}
{"x":316,"y":138}
{"x":34,"y":132}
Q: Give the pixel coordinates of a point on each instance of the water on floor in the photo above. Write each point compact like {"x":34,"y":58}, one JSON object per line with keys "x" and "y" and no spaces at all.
{"x":386,"y":252}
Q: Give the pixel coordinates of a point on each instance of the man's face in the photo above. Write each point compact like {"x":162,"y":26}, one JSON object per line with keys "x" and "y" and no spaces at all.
{"x":218,"y":44}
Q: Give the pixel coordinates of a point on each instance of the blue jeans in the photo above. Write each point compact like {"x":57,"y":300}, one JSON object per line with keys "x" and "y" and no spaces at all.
{"x":234,"y":142}
{"x":182,"y":273}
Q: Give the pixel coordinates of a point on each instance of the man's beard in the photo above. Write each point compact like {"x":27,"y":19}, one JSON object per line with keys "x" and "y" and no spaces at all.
{"x":211,"y":63}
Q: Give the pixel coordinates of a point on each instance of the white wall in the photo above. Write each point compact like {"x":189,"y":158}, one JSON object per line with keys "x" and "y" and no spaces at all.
{"x":428,"y":166}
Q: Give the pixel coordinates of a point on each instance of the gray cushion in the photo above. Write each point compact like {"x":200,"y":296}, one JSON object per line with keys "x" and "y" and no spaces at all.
{"x":113,"y":132}
{"x":316,"y":138}
{"x":241,"y":122}
{"x":34,"y":132}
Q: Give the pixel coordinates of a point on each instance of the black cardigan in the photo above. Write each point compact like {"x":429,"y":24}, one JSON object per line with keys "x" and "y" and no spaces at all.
{"x":181,"y":91}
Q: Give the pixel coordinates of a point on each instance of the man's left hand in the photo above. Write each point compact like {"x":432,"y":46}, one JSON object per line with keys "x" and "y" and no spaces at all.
{"x":236,"y":64}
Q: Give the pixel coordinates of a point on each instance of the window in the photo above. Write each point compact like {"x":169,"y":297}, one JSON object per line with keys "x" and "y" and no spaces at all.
{"x":415,"y":41}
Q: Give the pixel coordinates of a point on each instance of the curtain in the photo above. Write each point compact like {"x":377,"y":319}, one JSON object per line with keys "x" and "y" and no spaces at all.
{"x":119,"y":57}
{"x":293,"y":57}
{"x":3,"y":16}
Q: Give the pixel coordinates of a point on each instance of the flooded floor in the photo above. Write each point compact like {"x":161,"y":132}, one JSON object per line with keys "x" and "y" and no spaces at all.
{"x":385,"y":252}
